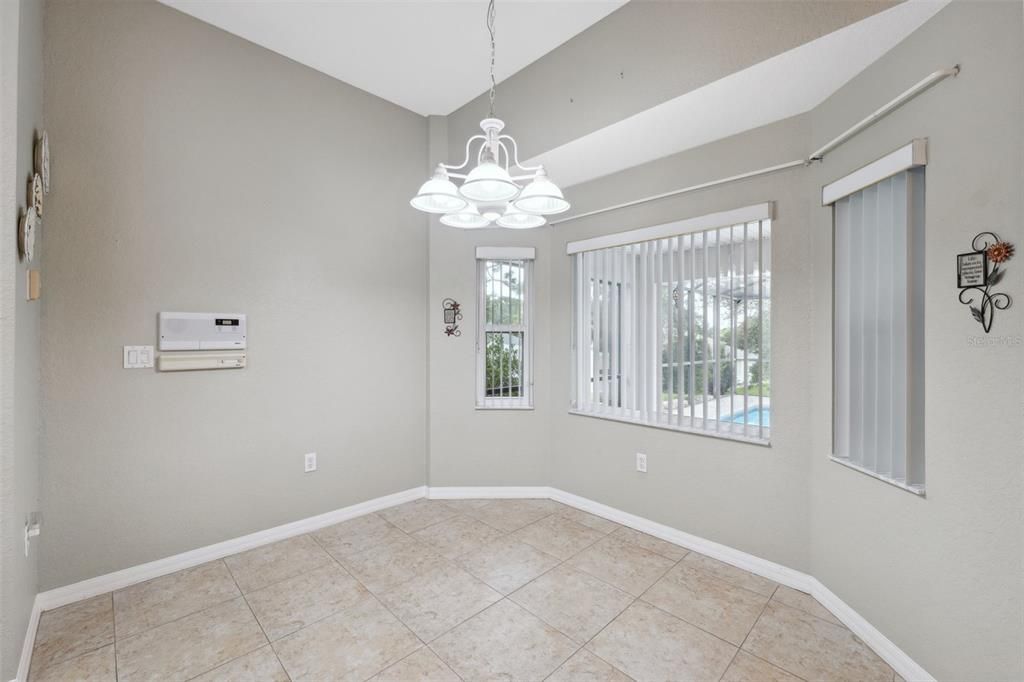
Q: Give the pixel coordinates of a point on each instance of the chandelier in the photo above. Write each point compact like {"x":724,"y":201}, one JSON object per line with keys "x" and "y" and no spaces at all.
{"x":493,"y":192}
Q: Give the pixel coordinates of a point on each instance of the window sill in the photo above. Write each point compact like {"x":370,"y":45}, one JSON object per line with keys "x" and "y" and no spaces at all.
{"x":915,"y":489}
{"x":739,"y":438}
{"x":504,"y":408}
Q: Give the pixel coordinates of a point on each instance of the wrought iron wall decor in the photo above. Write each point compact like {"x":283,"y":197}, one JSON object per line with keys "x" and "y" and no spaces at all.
{"x":978,"y":271}
{"x":452,"y":316}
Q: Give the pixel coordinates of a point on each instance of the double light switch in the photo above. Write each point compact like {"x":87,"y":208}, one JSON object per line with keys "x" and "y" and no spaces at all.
{"x":138,"y":357}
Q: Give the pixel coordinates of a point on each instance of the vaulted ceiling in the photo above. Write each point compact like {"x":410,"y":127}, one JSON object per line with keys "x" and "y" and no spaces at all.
{"x":428,"y":56}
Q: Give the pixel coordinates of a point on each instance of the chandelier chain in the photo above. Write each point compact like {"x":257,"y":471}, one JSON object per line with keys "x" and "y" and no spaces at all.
{"x":490,"y":30}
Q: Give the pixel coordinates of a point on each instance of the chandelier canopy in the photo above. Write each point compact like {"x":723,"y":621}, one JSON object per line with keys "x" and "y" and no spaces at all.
{"x":498,"y":189}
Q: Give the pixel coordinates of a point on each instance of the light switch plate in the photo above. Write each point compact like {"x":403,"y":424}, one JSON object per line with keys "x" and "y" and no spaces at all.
{"x":138,"y":357}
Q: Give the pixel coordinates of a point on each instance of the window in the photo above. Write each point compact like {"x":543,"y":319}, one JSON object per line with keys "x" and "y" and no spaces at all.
{"x":671,"y":325}
{"x":504,"y":345}
{"x":878,"y":315}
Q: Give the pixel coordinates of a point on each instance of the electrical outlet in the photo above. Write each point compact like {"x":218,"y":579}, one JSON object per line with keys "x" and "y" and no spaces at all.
{"x":310,"y":462}
{"x":641,"y":462}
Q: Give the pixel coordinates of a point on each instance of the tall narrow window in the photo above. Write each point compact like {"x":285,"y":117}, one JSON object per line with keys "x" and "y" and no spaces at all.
{"x":878,"y":316}
{"x":505,"y":335}
{"x":671,"y":325}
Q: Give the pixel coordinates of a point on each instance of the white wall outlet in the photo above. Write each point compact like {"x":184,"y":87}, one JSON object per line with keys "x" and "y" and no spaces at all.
{"x":310,"y":462}
{"x":641,"y":462}
{"x":138,"y":357}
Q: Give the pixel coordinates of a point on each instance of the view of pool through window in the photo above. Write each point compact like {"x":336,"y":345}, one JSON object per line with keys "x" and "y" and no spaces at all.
{"x":756,"y":416}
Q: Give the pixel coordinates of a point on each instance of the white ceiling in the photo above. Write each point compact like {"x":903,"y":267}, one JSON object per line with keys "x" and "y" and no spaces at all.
{"x":786,"y":85}
{"x":429,"y":56}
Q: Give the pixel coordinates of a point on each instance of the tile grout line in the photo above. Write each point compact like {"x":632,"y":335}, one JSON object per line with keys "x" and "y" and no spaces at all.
{"x":746,"y":636}
{"x":605,"y":626}
{"x":258,"y":624}
{"x":382,"y":604}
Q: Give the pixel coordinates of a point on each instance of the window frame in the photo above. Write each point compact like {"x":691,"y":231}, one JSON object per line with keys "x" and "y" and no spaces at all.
{"x":525,"y":256}
{"x":908,"y":158}
{"x":637,"y":334}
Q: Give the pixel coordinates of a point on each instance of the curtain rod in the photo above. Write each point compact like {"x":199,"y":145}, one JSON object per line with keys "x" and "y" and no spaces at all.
{"x":818,"y":155}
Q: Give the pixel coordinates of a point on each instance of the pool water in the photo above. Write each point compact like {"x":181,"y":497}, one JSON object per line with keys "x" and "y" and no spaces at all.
{"x":756,"y":416}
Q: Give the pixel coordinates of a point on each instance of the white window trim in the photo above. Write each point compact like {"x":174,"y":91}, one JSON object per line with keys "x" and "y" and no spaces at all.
{"x":523,"y":253}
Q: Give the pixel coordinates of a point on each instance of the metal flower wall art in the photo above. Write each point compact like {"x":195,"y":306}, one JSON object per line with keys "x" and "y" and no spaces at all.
{"x":978,"y":271}
{"x":452,"y":316}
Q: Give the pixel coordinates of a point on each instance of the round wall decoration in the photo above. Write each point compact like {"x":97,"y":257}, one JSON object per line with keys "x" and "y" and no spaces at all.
{"x":42,"y":160}
{"x":36,"y":194}
{"x":27,"y":233}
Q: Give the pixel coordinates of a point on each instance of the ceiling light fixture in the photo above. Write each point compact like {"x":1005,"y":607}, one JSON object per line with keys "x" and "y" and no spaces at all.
{"x":490,"y":193}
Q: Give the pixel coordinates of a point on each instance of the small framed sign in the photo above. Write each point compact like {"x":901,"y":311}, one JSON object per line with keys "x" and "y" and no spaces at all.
{"x":971,"y":269}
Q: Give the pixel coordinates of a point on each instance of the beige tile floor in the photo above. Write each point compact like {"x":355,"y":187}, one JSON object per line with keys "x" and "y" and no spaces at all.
{"x":450,"y":590}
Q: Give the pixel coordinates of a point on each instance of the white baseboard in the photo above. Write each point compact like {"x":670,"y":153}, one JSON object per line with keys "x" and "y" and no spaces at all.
{"x":68,"y":594}
{"x":905,"y":666}
{"x":898,"y":660}
{"x":768,"y":569}
{"x":492,"y":492}
{"x":30,"y":638}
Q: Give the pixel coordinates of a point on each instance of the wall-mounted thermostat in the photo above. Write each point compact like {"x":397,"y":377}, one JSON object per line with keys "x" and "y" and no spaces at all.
{"x":202,"y":331}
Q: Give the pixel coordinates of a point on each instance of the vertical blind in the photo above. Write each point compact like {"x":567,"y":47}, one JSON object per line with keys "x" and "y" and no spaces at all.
{"x":877,"y":360}
{"x":504,"y":341}
{"x":674,"y":331}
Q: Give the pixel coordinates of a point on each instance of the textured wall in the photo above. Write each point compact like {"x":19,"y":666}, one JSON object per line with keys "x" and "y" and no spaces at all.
{"x":198,"y":172}
{"x":940,"y":576}
{"x":22,"y":118}
{"x":743,"y":495}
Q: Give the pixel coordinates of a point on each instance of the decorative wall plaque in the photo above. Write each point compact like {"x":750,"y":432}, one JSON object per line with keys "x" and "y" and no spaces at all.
{"x":978,"y":271}
{"x":452,"y":315}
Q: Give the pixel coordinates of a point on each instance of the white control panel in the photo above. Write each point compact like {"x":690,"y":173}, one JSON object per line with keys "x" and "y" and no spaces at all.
{"x":138,"y":357}
{"x":202,"y":331}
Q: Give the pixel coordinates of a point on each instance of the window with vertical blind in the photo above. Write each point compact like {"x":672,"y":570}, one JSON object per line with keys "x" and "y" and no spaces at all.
{"x":504,"y":344}
{"x":672,"y":325}
{"x":878,"y":321}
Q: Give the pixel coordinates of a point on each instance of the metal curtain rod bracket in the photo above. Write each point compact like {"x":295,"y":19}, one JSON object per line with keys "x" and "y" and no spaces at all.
{"x":817,"y":156}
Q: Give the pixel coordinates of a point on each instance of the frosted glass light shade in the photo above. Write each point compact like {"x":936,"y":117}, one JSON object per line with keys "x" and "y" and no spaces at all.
{"x":438,"y":195}
{"x":541,"y":196}
{"x":517,"y":220}
{"x":489,"y":183}
{"x":467,"y":218}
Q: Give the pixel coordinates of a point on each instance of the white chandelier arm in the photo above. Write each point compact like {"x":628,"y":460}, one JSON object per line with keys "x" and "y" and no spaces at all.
{"x":465,"y":162}
{"x":508,"y":157}
{"x":515,"y":154}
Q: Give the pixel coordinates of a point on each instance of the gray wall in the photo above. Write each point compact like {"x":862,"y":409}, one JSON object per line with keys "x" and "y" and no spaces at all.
{"x":470,"y":447}
{"x":608,"y":74}
{"x":22,"y":63}
{"x":746,"y":496}
{"x":940,"y":576}
{"x":214,"y":177}
{"x":195,"y":171}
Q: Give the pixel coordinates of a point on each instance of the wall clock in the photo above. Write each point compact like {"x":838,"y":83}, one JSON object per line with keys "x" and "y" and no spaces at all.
{"x":27,"y":233}
{"x":42,"y":160}
{"x":35,"y":189}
